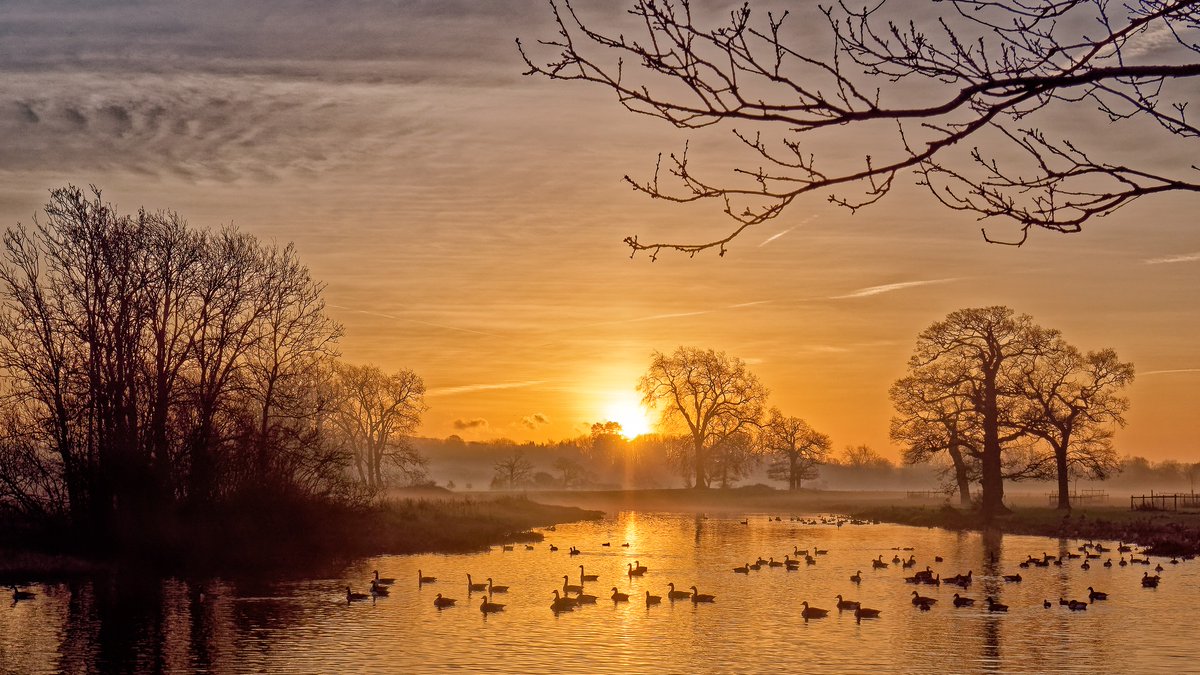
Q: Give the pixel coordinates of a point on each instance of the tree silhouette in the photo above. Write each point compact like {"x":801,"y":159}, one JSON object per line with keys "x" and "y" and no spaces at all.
{"x":797,"y":448}
{"x":958,"y":96}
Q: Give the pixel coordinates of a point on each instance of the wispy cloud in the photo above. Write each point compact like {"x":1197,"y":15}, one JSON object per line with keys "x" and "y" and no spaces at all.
{"x":1171,"y":371}
{"x":1167,"y":259}
{"x":471,"y":388}
{"x":775,"y":236}
{"x":473,"y":423}
{"x":535,"y":420}
{"x":418,"y":321}
{"x":888,"y":288}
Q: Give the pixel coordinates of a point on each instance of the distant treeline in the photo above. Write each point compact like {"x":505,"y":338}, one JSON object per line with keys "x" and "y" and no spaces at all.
{"x":156,"y":373}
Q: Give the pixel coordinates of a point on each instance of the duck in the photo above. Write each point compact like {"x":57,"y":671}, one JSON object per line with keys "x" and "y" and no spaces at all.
{"x":587,"y":577}
{"x":528,"y":547}
{"x":422,"y":579}
{"x":606,"y":544}
{"x":744,"y":569}
{"x":773,"y":563}
{"x":378,"y":589}
{"x":938,"y":558}
{"x":492,"y":588}
{"x":1046,"y":604}
{"x":856,"y":578}
{"x":441,"y":602}
{"x":625,"y":545}
{"x":812,"y":612}
{"x":488,"y":607}
{"x":570,"y":588}
{"x":1108,"y":562}
{"x":677,"y":595}
{"x":618,"y":596}
{"x":1095,"y":595}
{"x":1012,"y":577}
{"x":918,"y":599}
{"x":634,"y":571}
{"x":640,"y":569}
{"x":1150,"y":581}
{"x":1076,"y":606}
{"x":963,"y":601}
{"x":702,"y":597}
{"x":385,"y":581}
{"x":847,"y":604}
{"x":896,"y":560}
{"x":553,"y":548}
{"x":574,"y":551}
{"x":585,"y":599}
{"x":350,"y":596}
{"x":821,"y":551}
{"x":18,"y":595}
{"x":1085,"y":566}
{"x":562,"y":604}
{"x":472,"y":586}
{"x":878,"y":563}
{"x":993,"y":606}
{"x":652,"y":599}
{"x":861,"y":613}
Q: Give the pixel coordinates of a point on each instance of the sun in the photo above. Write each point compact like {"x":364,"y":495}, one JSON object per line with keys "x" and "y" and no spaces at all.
{"x":628,"y":412}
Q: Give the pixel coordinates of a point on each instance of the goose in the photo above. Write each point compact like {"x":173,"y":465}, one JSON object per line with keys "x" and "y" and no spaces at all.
{"x":821,"y":551}
{"x":744,"y":569}
{"x":760,"y":562}
{"x":1122,"y":563}
{"x":384,"y":581}
{"x":905,"y":564}
{"x":1085,"y":566}
{"x":1095,"y":595}
{"x":553,"y":548}
{"x":574,"y":551}
{"x":634,"y":571}
{"x":1063,"y":602}
{"x":422,"y":579}
{"x":640,"y":569}
{"x":809,"y":560}
{"x":496,"y":589}
{"x":1108,"y":562}
{"x":441,"y":602}
{"x":1149,"y":581}
{"x":924,"y":606}
{"x":652,"y":599}
{"x":812,"y":612}
{"x":878,"y":563}
{"x":528,"y":547}
{"x":963,"y":601}
{"x":801,"y":554}
{"x":677,"y":595}
{"x":606,"y":544}
{"x":1076,"y":606}
{"x":745,"y":522}
{"x":618,"y":596}
{"x":702,"y":597}
{"x":472,"y":586}
{"x":993,"y":606}
{"x":561,"y":604}
{"x":1158,"y":568}
{"x":1046,"y":604}
{"x":755,"y":566}
{"x":895,"y":560}
{"x":856,"y":578}
{"x":19,"y":595}
{"x":488,"y":607}
{"x":937,"y":558}
{"x":507,"y":547}
{"x":847,"y":604}
{"x":918,"y":599}
{"x":585,"y":599}
{"x":861,"y":613}
{"x":570,"y":588}
{"x":350,"y":596}
{"x":773,"y":563}
{"x":1012,"y":577}
{"x":587,"y":577}
{"x":792,"y":565}
{"x":378,"y":589}
{"x":625,"y":545}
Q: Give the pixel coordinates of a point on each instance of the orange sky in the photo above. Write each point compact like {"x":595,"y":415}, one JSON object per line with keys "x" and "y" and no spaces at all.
{"x":469,"y":221}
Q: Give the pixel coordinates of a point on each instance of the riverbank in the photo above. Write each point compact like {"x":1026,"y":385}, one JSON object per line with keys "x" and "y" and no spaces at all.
{"x":300,"y":538}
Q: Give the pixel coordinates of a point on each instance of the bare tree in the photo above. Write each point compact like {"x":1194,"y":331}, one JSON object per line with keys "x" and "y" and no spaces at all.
{"x":512,"y":471}
{"x":956,"y":94}
{"x":732,"y":457}
{"x":1073,"y":402}
{"x":934,"y":417}
{"x":708,"y":393}
{"x":798,"y":448}
{"x":377,"y":412}
{"x":977,"y":354}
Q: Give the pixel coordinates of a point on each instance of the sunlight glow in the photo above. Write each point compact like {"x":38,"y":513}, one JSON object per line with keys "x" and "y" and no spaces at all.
{"x":628,"y":412}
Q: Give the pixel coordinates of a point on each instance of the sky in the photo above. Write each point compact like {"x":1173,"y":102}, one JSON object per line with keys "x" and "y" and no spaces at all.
{"x":468,"y":220}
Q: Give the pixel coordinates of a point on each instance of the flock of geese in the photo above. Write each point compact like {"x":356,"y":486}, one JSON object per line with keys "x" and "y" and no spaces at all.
{"x":572,"y":596}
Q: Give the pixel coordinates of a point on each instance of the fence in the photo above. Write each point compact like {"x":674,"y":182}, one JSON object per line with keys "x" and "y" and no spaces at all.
{"x":1080,"y":497}
{"x":1164,"y":502}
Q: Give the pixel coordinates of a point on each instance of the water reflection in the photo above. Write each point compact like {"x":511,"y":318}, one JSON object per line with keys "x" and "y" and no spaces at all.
{"x":134,"y":624}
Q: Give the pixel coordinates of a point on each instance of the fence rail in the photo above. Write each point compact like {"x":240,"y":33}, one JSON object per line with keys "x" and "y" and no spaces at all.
{"x":1080,"y":497}
{"x":1164,"y":502}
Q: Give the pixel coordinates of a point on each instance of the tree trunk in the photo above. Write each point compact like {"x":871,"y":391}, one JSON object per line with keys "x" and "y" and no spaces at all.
{"x":701,"y":483}
{"x":960,"y":475}
{"x":992,"y":480}
{"x":1064,"y":483}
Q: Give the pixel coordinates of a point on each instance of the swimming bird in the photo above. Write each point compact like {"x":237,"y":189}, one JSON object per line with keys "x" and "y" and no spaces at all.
{"x":528,"y":547}
{"x":378,"y":589}
{"x":618,"y":596}
{"x":625,"y":545}
{"x":422,"y":579}
{"x":1150,"y":581}
{"x":496,"y":589}
{"x":1012,"y":577}
{"x":918,"y":599}
{"x":677,"y":595}
{"x":993,"y":606}
{"x":472,"y":586}
{"x":585,"y":599}
{"x":19,"y":595}
{"x":847,"y":604}
{"x":488,"y":607}
{"x":821,"y":551}
{"x":574,"y":551}
{"x":1046,"y":604}
{"x":744,"y":569}
{"x":878,"y":563}
{"x":634,"y":571}
{"x":507,"y":547}
{"x":1076,"y":606}
{"x":441,"y":602}
{"x":702,"y":597}
{"x":652,"y":599}
{"x":386,"y":581}
{"x":1108,"y":562}
{"x":1095,"y":595}
{"x":350,"y":596}
{"x":606,"y":544}
{"x":570,"y":588}
{"x":856,"y":577}
{"x":561,"y":604}
{"x":812,"y":612}
{"x":640,"y":569}
{"x":861,"y":613}
{"x":587,"y":577}
{"x":773,"y":563}
{"x":553,"y":548}
{"x":963,"y":601}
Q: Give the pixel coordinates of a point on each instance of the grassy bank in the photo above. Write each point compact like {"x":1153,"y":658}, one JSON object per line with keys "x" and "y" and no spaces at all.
{"x":301,"y":537}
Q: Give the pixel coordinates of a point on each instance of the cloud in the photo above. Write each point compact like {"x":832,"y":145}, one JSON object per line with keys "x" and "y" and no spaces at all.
{"x":1171,"y":371}
{"x":535,"y":420}
{"x":471,"y":388}
{"x":888,"y":288}
{"x":1167,"y":259}
{"x":473,"y":423}
{"x":775,"y":236}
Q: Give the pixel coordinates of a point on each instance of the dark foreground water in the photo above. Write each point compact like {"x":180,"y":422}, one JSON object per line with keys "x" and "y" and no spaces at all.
{"x":138,"y":625}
